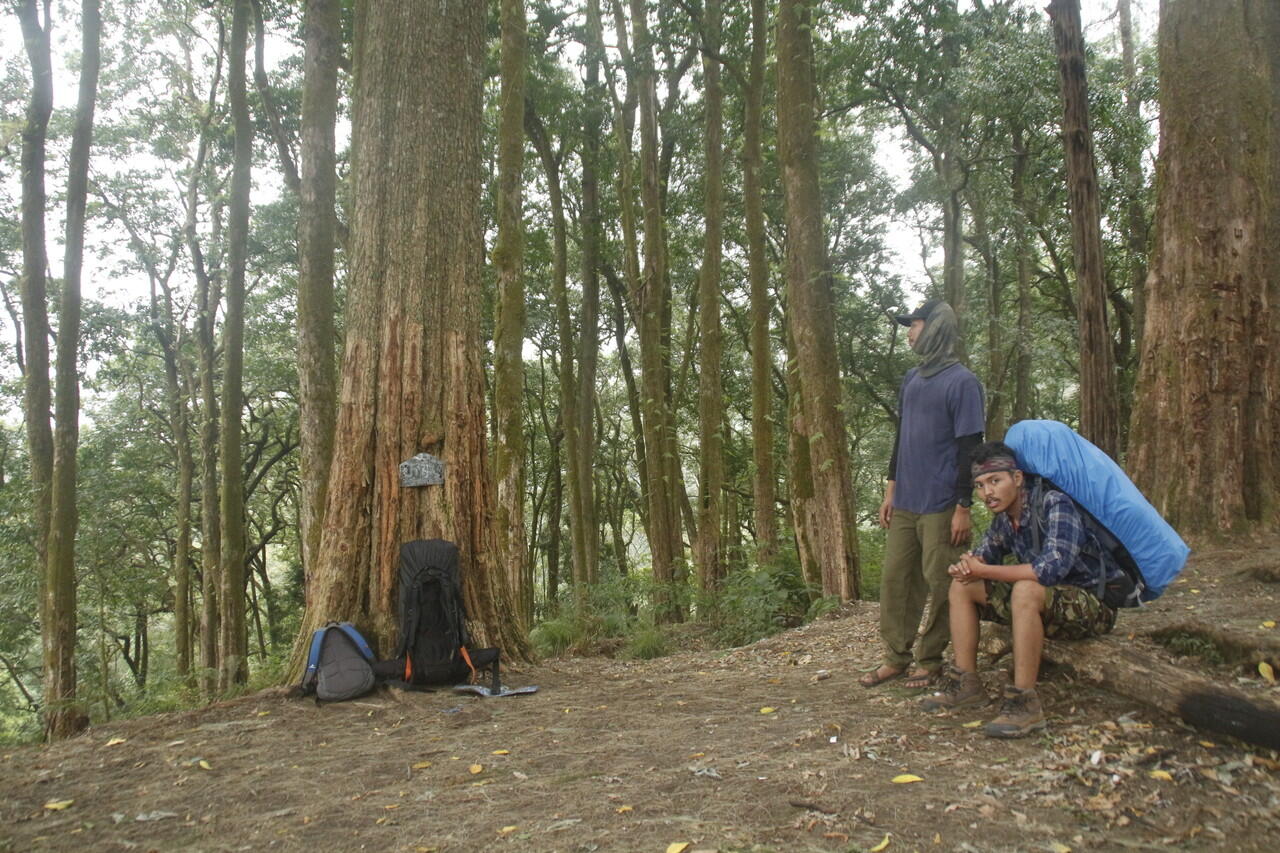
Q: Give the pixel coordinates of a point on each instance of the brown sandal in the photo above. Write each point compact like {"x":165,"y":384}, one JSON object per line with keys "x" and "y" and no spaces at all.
{"x":921,"y":680}
{"x":874,"y":678}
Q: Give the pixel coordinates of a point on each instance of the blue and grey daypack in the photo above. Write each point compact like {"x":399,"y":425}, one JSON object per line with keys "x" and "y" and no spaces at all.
{"x":339,"y":664}
{"x":1148,"y":550}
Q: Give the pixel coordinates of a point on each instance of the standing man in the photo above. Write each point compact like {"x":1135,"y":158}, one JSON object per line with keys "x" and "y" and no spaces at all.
{"x":927,"y":498}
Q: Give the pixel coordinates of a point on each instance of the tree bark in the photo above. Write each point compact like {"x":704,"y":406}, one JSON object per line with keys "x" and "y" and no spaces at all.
{"x":317,"y":335}
{"x":1099,"y":410}
{"x":63,"y":718}
{"x":763,"y":478}
{"x":651,"y":304}
{"x":1137,"y":228}
{"x":1203,"y":444}
{"x":508,"y":334}
{"x":811,"y":306}
{"x":233,"y":642}
{"x":412,"y":375}
{"x":708,"y":551}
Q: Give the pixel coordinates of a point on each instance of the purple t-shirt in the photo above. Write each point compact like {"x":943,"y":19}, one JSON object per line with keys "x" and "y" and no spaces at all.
{"x":935,"y":412}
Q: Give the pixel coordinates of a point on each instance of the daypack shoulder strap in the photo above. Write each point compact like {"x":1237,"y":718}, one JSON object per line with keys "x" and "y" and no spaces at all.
{"x":313,"y":656}
{"x":357,"y":638}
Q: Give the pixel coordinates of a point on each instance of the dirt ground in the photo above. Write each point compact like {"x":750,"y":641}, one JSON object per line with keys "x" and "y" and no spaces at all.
{"x":772,"y":746}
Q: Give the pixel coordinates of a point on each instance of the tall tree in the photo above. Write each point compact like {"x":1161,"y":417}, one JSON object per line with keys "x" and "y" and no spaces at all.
{"x":317,"y":338}
{"x":763,"y":480}
{"x":233,"y":642}
{"x":508,"y":334}
{"x":412,"y":378}
{"x":651,"y":304}
{"x":711,"y":445}
{"x":1203,"y":440}
{"x":811,"y":306}
{"x":1099,"y":409}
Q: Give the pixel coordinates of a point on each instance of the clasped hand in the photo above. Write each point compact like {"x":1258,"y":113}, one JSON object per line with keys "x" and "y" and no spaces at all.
{"x":967,"y":569}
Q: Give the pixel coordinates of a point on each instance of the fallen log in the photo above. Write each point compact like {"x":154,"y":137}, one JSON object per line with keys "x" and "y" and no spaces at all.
{"x":1126,"y":668}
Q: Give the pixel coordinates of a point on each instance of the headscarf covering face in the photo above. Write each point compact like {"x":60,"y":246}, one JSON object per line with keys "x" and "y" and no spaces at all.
{"x":936,"y":344}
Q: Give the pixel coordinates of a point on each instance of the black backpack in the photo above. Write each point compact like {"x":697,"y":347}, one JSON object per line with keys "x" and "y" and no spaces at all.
{"x":434,"y":643}
{"x":1121,"y":589}
{"x":339,"y":664}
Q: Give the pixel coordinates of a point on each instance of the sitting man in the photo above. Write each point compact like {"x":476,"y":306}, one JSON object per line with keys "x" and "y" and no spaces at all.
{"x":1049,"y":593}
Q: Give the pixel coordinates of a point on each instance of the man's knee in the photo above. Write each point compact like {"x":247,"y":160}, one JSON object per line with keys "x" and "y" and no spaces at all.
{"x":967,"y":593}
{"x":1027,"y":597}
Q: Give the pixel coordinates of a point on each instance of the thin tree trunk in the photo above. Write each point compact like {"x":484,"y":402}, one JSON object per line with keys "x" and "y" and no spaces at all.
{"x":64,"y":719}
{"x":811,"y":306}
{"x":708,"y":550}
{"x":508,"y":335}
{"x":651,"y":303}
{"x":233,"y":643}
{"x":412,"y":377}
{"x":317,"y":336}
{"x":1203,"y":439}
{"x":1022,"y":383}
{"x":1099,"y":412}
{"x":763,"y":480}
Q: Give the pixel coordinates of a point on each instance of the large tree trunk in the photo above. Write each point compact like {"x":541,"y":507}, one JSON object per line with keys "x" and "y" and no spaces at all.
{"x":763,"y":478}
{"x":317,"y":336}
{"x":708,"y":552}
{"x":811,"y":306}
{"x":412,"y":375}
{"x":1203,"y":442}
{"x":233,"y":642}
{"x":1136,"y":227}
{"x":1099,"y":412}
{"x":508,"y":334}
{"x":651,"y":305}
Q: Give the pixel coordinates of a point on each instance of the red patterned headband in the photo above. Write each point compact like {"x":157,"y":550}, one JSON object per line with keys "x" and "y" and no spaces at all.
{"x":993,"y":464}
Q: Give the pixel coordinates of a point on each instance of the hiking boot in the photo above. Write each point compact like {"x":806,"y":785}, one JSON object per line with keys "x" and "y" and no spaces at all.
{"x":956,"y":689}
{"x":1020,"y":714}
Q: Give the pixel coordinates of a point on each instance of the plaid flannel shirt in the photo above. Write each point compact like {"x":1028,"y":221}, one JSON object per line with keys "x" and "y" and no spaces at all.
{"x":1069,"y":554}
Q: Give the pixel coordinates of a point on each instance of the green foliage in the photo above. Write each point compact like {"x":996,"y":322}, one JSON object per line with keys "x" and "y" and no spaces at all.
{"x":756,"y":602}
{"x":645,"y":643}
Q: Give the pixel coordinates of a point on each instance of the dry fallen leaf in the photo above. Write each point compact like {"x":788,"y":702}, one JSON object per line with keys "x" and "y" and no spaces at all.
{"x":58,"y":805}
{"x":623,"y":809}
{"x":204,"y":765}
{"x":422,"y":765}
{"x":973,"y":724}
{"x":906,"y":778}
{"x":507,"y":830}
{"x":677,"y":847}
{"x":882,"y":845}
{"x":502,"y":752}
{"x":1270,"y":623}
{"x":767,"y":710}
{"x":476,"y":768}
{"x":1267,"y":672}
{"x":115,"y":741}
{"x":1059,"y":847}
{"x":1163,"y":775}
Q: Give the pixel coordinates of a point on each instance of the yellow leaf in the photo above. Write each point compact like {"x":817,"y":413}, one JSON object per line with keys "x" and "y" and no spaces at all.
{"x":623,"y":809}
{"x":115,"y":741}
{"x":507,"y":830}
{"x":906,"y":778}
{"x":204,"y":765}
{"x":1267,"y":672}
{"x":422,"y":765}
{"x":58,"y":805}
{"x":1270,"y":623}
{"x":973,"y":724}
{"x":502,"y":752}
{"x":1162,"y":775}
{"x":1208,"y":744}
{"x":392,"y":806}
{"x":882,"y":845}
{"x":476,"y":768}
{"x":1058,"y":847}
{"x":264,"y":713}
{"x":767,"y":710}
{"x":677,"y":847}
{"x":937,"y":838}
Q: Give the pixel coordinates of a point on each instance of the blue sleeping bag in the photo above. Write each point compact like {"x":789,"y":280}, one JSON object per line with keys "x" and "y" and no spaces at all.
{"x":1057,"y":452}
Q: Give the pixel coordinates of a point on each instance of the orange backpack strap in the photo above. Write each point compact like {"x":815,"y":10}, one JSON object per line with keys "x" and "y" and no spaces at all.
{"x":466,"y":657}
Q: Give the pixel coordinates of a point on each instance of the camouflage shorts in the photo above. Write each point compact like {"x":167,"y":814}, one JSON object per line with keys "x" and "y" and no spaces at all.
{"x":1070,"y":613}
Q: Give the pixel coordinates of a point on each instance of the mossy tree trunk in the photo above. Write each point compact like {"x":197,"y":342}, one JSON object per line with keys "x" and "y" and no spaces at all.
{"x":1203,"y":443}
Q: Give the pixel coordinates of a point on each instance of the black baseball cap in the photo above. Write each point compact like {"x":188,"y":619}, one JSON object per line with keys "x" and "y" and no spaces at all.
{"x":921,"y":313}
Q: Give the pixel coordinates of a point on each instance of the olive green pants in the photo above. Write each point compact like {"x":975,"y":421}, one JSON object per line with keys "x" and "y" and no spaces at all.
{"x":916,"y":555}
